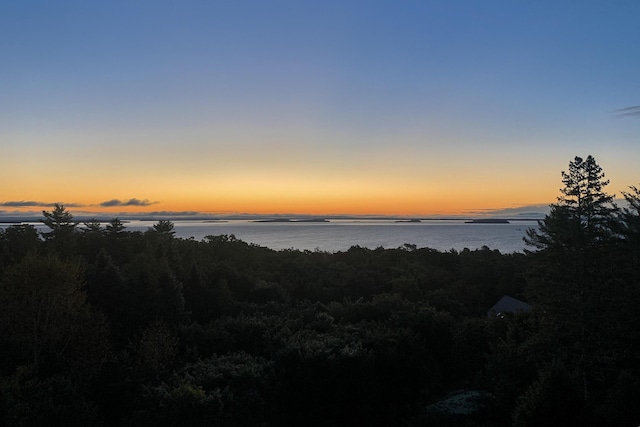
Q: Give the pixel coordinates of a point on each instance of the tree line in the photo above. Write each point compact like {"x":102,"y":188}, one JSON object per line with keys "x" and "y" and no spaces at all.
{"x":105,"y":326}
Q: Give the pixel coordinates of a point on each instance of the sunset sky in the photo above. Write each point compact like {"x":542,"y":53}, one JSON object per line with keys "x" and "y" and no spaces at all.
{"x":313,"y":107}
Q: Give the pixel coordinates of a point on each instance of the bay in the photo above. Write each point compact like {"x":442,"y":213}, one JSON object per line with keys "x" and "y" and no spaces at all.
{"x":340,"y":235}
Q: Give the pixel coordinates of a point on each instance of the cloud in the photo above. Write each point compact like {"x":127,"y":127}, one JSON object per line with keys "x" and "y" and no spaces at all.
{"x":175,"y":213}
{"x":527,"y":211}
{"x":633,"y":111}
{"x":165,"y":214}
{"x":32,"y":203}
{"x":130,"y":202}
{"x":22,"y":203}
{"x":106,"y":204}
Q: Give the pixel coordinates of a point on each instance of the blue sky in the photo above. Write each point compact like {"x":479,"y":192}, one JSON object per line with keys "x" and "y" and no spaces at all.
{"x":314,"y":106}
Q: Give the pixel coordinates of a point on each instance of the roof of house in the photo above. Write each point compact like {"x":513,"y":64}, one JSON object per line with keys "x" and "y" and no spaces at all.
{"x":508,"y":304}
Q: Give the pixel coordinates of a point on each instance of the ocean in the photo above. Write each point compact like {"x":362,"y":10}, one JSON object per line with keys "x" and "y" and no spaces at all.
{"x":340,"y":235}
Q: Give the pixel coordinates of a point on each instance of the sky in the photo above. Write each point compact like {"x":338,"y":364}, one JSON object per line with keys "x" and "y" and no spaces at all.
{"x":313,"y":107}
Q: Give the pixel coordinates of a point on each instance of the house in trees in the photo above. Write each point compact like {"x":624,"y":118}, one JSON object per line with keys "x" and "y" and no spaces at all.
{"x":508,"y":304}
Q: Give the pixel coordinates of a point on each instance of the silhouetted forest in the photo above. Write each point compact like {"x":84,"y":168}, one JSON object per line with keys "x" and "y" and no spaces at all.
{"x":101,"y":326}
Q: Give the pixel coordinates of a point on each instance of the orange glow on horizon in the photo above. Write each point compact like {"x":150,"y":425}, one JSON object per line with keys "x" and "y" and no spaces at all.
{"x":388,"y":206}
{"x":377,"y":185}
{"x":289,"y":196}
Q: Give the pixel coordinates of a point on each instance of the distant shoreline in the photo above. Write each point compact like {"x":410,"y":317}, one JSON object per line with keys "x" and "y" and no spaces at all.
{"x":270,"y":219}
{"x":291,"y":220}
{"x":488,"y":221}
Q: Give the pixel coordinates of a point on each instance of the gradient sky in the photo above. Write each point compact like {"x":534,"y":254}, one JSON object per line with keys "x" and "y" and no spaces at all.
{"x":321,"y":107}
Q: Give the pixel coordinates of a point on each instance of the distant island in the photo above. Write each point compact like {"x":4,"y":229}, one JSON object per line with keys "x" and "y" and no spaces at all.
{"x":292,"y":220}
{"x":408,"y":220}
{"x":488,"y":221}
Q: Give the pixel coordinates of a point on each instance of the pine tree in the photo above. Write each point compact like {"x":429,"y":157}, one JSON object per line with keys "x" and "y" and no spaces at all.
{"x":163,"y":227}
{"x":115,"y":227}
{"x":629,"y":225}
{"x":63,"y":227}
{"x":572,"y":283}
{"x":60,"y":222}
{"x":93,"y":226}
{"x":582,"y":219}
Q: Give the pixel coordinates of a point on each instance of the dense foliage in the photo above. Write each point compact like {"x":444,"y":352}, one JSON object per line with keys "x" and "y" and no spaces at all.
{"x":102,"y":326}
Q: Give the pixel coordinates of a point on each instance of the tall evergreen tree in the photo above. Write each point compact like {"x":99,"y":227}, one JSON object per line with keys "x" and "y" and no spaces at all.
{"x":60,"y":222}
{"x":163,"y":227}
{"x":115,"y":227}
{"x":93,"y":226}
{"x":62,"y":229}
{"x":582,"y":219}
{"x":630,"y":225}
{"x":571,"y":283}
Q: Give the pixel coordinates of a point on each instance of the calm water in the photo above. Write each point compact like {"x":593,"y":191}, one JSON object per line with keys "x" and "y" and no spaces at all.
{"x":340,"y":235}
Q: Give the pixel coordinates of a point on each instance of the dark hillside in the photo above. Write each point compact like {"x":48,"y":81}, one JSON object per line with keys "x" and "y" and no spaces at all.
{"x":110,"y":327}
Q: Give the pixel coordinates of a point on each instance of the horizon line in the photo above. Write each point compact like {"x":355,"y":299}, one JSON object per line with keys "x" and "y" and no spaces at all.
{"x":32,"y":216}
